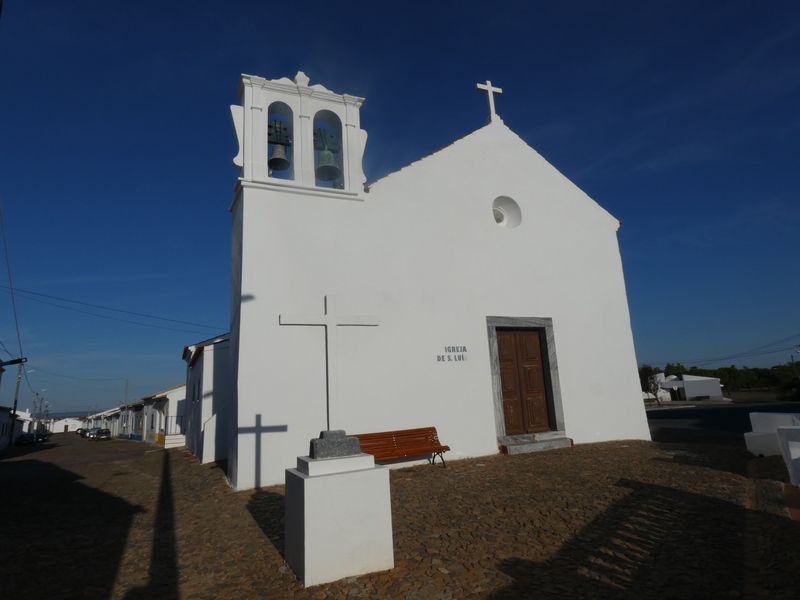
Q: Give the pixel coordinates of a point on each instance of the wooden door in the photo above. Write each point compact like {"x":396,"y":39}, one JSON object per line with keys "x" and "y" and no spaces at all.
{"x":525,"y":404}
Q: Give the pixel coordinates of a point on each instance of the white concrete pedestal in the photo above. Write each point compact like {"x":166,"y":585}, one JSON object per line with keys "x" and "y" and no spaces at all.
{"x":338,"y":518}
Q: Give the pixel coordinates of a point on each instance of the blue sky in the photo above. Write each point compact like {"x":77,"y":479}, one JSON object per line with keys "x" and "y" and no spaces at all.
{"x":680,"y":118}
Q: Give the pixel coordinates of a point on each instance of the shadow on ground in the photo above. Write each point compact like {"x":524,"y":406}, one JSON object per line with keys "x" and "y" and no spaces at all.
{"x":38,"y":498}
{"x":15,"y":451}
{"x":720,"y":424}
{"x":724,"y":458}
{"x":163,"y":573}
{"x":267,"y":509}
{"x":657,"y":540}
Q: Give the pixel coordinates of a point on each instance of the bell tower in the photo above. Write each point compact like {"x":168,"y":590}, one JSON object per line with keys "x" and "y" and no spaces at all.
{"x":295,"y":135}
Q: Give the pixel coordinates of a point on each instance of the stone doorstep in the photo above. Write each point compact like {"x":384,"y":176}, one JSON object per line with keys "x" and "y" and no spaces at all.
{"x":174,"y":440}
{"x":792,"y":493}
{"x":534,"y":442}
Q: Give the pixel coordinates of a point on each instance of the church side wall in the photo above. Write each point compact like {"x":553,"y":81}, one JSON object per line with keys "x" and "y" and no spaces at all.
{"x":232,"y":412}
{"x":194,"y":386}
{"x":599,"y":376}
{"x":221,"y":382}
{"x":207,"y":425}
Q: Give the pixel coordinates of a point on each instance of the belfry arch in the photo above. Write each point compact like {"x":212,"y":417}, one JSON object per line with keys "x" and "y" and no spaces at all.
{"x":328,"y":150}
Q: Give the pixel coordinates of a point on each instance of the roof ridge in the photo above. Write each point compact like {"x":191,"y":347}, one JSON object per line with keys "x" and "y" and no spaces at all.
{"x":462,"y":137}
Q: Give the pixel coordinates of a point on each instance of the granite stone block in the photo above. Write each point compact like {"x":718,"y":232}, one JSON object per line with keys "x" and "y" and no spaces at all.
{"x":334,"y":443}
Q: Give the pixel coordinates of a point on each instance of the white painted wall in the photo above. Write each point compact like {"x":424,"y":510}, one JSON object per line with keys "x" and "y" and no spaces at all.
{"x":209,"y":387}
{"x":174,"y":409}
{"x":58,"y":425}
{"x":697,"y":386}
{"x":422,"y":252}
{"x":149,"y":430}
{"x":7,"y":434}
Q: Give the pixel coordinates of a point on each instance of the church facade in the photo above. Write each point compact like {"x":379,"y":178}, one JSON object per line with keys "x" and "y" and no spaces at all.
{"x":477,"y":290}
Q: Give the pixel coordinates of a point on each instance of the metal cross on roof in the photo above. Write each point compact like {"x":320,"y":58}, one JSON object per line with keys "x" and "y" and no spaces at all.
{"x":490,"y":91}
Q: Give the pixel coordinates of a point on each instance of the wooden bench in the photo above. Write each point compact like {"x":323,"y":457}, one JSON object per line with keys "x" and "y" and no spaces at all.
{"x":404,"y":443}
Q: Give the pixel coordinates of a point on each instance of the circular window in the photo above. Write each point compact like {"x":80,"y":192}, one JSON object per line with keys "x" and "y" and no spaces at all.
{"x":506,"y":212}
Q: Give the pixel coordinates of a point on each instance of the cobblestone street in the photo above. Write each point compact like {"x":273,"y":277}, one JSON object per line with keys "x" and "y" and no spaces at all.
{"x":122,"y":519}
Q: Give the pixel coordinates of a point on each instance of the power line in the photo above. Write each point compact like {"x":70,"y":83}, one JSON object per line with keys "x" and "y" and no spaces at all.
{"x":13,"y":306}
{"x":80,"y":378}
{"x":28,"y":382}
{"x":119,"y":310}
{"x":762,"y":350}
{"x":110,"y":318}
{"x":750,"y":352}
{"x":751,"y":355}
{"x":10,"y":281}
{"x":6,"y":350}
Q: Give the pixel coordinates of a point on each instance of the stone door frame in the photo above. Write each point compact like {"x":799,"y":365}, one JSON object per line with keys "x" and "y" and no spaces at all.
{"x":550,"y":368}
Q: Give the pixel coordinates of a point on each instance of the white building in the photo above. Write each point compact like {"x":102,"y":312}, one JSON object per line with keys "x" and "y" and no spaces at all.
{"x":10,"y":429}
{"x":171,"y":403}
{"x":477,"y":290}
{"x":692,"y":387}
{"x":209,"y":388}
{"x":65,"y":425}
{"x":26,"y":417}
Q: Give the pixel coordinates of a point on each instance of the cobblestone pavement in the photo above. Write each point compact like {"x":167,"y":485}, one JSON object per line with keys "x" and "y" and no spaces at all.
{"x":124,"y":519}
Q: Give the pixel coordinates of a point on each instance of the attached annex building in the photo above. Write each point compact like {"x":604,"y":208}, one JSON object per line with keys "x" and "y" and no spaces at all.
{"x":477,"y":290}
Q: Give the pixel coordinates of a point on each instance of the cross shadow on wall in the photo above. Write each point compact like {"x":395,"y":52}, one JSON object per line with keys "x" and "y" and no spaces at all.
{"x":258,"y":429}
{"x":266,"y":506}
{"x":60,"y":538}
{"x":659,"y":542}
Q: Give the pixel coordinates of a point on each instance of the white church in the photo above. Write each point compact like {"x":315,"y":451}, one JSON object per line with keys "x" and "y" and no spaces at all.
{"x":477,"y":290}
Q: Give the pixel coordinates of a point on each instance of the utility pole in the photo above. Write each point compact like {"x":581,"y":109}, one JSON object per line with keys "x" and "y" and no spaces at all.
{"x":19,"y":362}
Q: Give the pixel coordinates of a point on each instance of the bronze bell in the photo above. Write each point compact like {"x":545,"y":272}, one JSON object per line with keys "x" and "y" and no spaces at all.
{"x":327,"y":169}
{"x":278,"y":161}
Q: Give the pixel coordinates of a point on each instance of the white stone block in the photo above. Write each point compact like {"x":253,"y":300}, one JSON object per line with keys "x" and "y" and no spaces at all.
{"x":764,"y":421}
{"x":324,"y":466}
{"x":789,"y":438}
{"x":338,"y":524}
{"x":762,"y":443}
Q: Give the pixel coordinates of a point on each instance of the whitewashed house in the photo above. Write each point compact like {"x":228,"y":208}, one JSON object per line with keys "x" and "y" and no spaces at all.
{"x":27,"y":420}
{"x":150,"y":419}
{"x":209,"y":390}
{"x":131,"y":421}
{"x":10,"y":429}
{"x":477,"y":290}
{"x":112,"y":421}
{"x":153,"y":418}
{"x":164,"y":413}
{"x":692,"y":387}
{"x":65,"y":425}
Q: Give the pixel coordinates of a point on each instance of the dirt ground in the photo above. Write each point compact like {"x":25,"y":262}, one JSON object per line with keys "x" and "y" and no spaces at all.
{"x":123,"y":519}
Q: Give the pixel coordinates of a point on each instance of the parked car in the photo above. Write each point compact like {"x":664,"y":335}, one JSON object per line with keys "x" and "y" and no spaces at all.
{"x":103,"y":434}
{"x":26,"y":439}
{"x":80,"y":431}
{"x":92,"y":433}
{"x":42,"y":435}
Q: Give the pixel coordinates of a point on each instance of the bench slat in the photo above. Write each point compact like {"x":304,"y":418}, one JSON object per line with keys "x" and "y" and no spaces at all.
{"x":402,"y":443}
